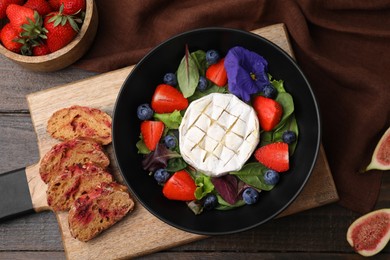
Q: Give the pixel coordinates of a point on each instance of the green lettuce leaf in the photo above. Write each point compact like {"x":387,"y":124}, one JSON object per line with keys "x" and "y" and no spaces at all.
{"x":204,"y":186}
{"x":187,"y":75}
{"x":170,"y":120}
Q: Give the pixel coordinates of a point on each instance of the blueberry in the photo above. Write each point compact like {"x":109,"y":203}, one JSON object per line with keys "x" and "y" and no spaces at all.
{"x":144,"y":112}
{"x":212,"y":57}
{"x":289,"y":137}
{"x":271,"y":177}
{"x":170,"y":141}
{"x":250,"y":196}
{"x":161,"y":176}
{"x":210,"y":202}
{"x":270,"y":91}
{"x":170,"y":79}
{"x":202,"y":85}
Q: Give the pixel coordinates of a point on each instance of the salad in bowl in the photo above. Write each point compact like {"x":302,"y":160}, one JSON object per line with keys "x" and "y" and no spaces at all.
{"x":216,"y":131}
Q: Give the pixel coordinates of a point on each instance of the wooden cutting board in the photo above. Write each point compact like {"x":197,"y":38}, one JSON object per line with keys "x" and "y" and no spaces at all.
{"x":140,"y":232}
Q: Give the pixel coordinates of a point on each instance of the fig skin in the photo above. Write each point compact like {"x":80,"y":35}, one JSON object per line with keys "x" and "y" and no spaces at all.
{"x":380,"y":158}
{"x":370,"y":233}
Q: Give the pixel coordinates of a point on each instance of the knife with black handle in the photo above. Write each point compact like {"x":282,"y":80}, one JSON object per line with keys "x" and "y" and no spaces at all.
{"x":21,"y":192}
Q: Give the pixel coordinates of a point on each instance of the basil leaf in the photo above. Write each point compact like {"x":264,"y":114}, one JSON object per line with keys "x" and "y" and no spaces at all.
{"x":170,"y":120}
{"x":253,"y":175}
{"x":286,"y":101}
{"x":291,"y":125}
{"x":176,"y":164}
{"x":187,"y":75}
{"x":199,"y":58}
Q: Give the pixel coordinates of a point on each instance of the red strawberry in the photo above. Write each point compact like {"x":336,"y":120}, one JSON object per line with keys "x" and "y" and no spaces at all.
{"x":167,"y":99}
{"x":19,"y":15}
{"x":40,"y":50}
{"x":180,"y":186}
{"x":73,"y":6}
{"x":151,"y":132}
{"x":274,"y":156}
{"x":55,"y":4}
{"x":216,"y":73}
{"x":268,"y":111}
{"x":61,"y":30}
{"x":41,"y":6}
{"x":5,"y":3}
{"x":8,"y":35}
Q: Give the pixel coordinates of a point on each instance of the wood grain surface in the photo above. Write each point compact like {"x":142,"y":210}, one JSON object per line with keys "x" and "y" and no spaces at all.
{"x":101,"y":91}
{"x":317,"y":233}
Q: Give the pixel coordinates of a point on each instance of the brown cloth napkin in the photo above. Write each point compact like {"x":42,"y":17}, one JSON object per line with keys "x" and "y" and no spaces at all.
{"x":342,"y":47}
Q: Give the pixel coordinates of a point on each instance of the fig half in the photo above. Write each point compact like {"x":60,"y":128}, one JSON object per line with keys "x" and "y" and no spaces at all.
{"x":381,"y":157}
{"x":370,"y":233}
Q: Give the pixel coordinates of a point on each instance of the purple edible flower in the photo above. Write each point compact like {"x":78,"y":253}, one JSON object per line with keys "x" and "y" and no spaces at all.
{"x":246,"y":72}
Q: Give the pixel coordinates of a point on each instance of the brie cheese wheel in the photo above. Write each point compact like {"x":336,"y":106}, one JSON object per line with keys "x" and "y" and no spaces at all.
{"x":218,"y":134}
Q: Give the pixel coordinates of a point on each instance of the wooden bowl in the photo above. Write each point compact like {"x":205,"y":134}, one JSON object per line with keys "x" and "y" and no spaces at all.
{"x":66,"y":55}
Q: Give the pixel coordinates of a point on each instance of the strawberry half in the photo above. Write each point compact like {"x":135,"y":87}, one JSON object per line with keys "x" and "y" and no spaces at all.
{"x":216,"y":73}
{"x":274,"y":156}
{"x":180,"y":186}
{"x":151,"y":132}
{"x":167,"y":99}
{"x":268,"y":111}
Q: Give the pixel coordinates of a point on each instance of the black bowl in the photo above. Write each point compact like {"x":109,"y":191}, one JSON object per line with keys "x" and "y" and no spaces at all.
{"x":139,"y":87}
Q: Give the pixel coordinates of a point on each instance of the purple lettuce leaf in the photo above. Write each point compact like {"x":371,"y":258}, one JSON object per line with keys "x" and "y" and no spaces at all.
{"x":158,"y":158}
{"x":227,"y":187}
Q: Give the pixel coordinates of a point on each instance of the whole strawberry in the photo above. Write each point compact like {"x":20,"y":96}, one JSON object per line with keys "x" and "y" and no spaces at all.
{"x":5,"y":3}
{"x":40,"y":50}
{"x":72,"y":7}
{"x":41,"y":6}
{"x":28,"y":23}
{"x":19,"y":15}
{"x":8,"y":36}
{"x":55,"y":4}
{"x":61,"y":30}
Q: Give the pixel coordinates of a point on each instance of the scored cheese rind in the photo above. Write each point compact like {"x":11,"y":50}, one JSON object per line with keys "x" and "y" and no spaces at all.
{"x":218,"y":134}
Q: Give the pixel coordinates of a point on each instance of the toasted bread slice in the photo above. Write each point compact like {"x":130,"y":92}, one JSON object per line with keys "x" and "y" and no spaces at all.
{"x":69,"y":153}
{"x":80,"y":122}
{"x":75,"y":181}
{"x":98,"y":210}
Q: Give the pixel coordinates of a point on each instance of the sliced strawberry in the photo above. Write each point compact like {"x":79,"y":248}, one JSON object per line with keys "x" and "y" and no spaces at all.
{"x":268,"y":111}
{"x":274,"y":156}
{"x":151,"y":132}
{"x":180,"y":186}
{"x":216,"y":73}
{"x":167,"y":99}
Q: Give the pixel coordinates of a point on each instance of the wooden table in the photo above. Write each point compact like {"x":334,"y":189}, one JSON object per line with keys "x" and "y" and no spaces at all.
{"x":317,"y":232}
